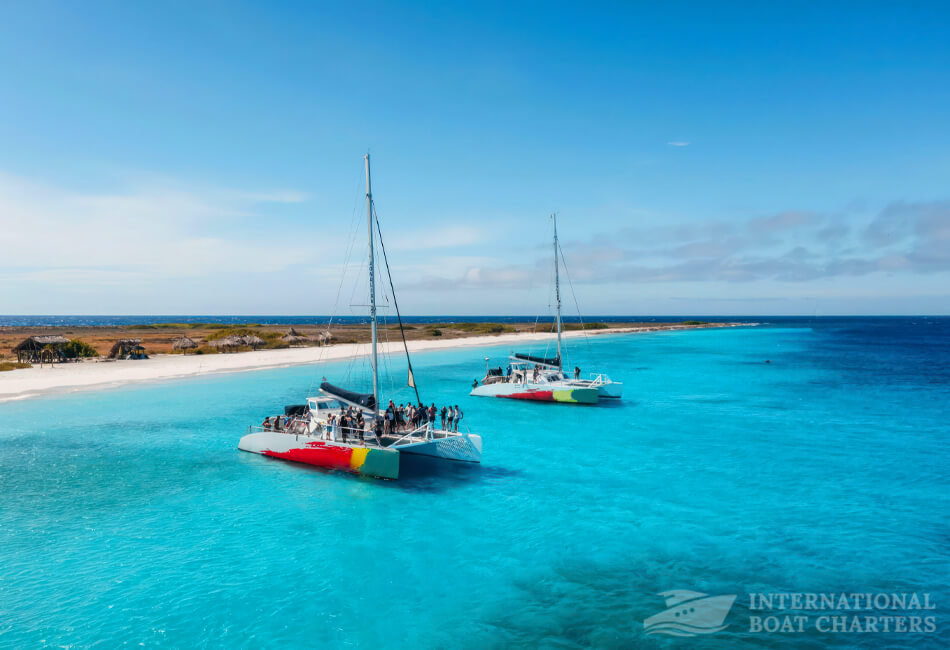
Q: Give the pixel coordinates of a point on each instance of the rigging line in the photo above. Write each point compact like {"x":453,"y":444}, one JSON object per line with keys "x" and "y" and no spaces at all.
{"x":386,"y":354}
{"x":346,"y":260}
{"x":577,"y":306}
{"x":354,"y":227}
{"x":396,"y":305}
{"x":354,"y":230}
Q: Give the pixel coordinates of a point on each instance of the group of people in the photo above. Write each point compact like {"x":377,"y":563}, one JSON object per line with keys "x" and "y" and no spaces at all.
{"x":281,"y":423}
{"x":409,"y":417}
{"x":518,"y":376}
{"x":351,"y":424}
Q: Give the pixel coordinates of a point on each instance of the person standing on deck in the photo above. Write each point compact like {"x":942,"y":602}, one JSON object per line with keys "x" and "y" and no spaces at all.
{"x":432,"y":411}
{"x":390,"y":417}
{"x":458,"y":418}
{"x":577,"y":372}
{"x":442,"y":413}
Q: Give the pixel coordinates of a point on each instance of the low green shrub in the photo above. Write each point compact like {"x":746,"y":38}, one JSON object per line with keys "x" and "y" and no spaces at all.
{"x":78,"y":349}
{"x":586,"y":326}
{"x":13,"y":365}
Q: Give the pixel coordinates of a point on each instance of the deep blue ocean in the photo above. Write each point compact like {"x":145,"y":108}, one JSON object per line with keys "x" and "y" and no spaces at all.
{"x":106,"y":321}
{"x":129,"y":518}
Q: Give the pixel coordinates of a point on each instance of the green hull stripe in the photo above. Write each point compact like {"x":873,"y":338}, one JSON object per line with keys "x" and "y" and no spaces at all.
{"x":383,"y":463}
{"x":576,"y":396}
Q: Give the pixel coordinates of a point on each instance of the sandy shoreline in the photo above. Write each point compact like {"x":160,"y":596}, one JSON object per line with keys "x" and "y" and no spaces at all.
{"x":91,"y":375}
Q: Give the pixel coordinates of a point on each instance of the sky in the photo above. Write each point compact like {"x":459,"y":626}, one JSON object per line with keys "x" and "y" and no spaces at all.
{"x":703,"y":158}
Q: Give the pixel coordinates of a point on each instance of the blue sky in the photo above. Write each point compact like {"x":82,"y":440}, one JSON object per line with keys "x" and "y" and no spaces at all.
{"x":746,"y":158}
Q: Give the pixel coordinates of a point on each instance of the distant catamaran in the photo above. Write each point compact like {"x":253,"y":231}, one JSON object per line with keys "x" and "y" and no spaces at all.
{"x":313,"y":433}
{"x":542,"y":379}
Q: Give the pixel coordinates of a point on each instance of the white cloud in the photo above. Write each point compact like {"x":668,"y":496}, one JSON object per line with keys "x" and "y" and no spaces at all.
{"x":48,"y":232}
{"x":678,"y":143}
{"x":441,"y":237}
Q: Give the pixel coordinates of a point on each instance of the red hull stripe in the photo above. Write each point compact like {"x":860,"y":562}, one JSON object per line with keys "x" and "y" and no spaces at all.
{"x":319,"y":454}
{"x":536,"y":395}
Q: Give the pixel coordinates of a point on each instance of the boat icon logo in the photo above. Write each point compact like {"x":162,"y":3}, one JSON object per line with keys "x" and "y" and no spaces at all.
{"x":690,"y":613}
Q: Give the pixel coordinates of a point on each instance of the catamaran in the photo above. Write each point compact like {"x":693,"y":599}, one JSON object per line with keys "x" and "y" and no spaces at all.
{"x":542,"y":379}
{"x":344,"y":430}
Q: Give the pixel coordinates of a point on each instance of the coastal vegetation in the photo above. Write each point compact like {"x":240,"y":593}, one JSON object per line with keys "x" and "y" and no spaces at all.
{"x":473,"y":328}
{"x":569,"y":327}
{"x":13,"y":365}
{"x":271,"y":338}
{"x":160,"y":338}
{"x":77,"y":349}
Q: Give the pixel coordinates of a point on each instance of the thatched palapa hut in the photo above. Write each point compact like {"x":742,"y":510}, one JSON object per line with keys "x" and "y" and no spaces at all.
{"x":40,"y":349}
{"x":184,"y":344}
{"x":253,"y":341}
{"x":293,"y":337}
{"x":228,"y":343}
{"x":127,"y":349}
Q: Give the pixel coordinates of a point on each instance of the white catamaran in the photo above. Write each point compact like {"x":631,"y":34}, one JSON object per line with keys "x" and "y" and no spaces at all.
{"x":542,"y":379}
{"x":345,"y":430}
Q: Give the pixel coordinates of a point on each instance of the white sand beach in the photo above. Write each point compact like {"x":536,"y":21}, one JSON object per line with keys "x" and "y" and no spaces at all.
{"x":95,"y":374}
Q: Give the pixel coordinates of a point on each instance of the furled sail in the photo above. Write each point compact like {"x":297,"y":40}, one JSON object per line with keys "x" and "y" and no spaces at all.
{"x":546,"y":361}
{"x":366,"y":400}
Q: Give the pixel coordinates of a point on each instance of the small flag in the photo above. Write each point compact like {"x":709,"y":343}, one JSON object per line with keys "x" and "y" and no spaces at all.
{"x":412,"y":380}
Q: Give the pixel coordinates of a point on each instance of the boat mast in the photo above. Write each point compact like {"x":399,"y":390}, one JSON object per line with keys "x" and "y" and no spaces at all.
{"x":372,"y":285}
{"x":557,"y":293}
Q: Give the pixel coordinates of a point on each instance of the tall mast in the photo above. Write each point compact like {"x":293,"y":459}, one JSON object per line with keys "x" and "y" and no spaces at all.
{"x":557,"y":292}
{"x":372,"y":284}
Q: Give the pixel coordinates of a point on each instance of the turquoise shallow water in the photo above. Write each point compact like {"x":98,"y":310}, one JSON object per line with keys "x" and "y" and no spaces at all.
{"x":128,"y":516}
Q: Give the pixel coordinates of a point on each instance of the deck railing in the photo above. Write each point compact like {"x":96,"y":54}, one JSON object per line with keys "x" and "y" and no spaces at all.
{"x":424,"y":432}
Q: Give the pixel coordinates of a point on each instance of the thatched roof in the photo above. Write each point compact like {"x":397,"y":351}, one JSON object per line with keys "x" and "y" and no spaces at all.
{"x":252,"y":340}
{"x":292,"y":337}
{"x":184,"y":343}
{"x":228,"y":342}
{"x":41,"y":341}
{"x":122,"y":346}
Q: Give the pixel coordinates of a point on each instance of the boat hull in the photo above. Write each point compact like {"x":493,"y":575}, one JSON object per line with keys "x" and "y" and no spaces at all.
{"x":562,"y":394}
{"x":465,"y":448}
{"x":367,"y":461}
{"x":612,"y":390}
